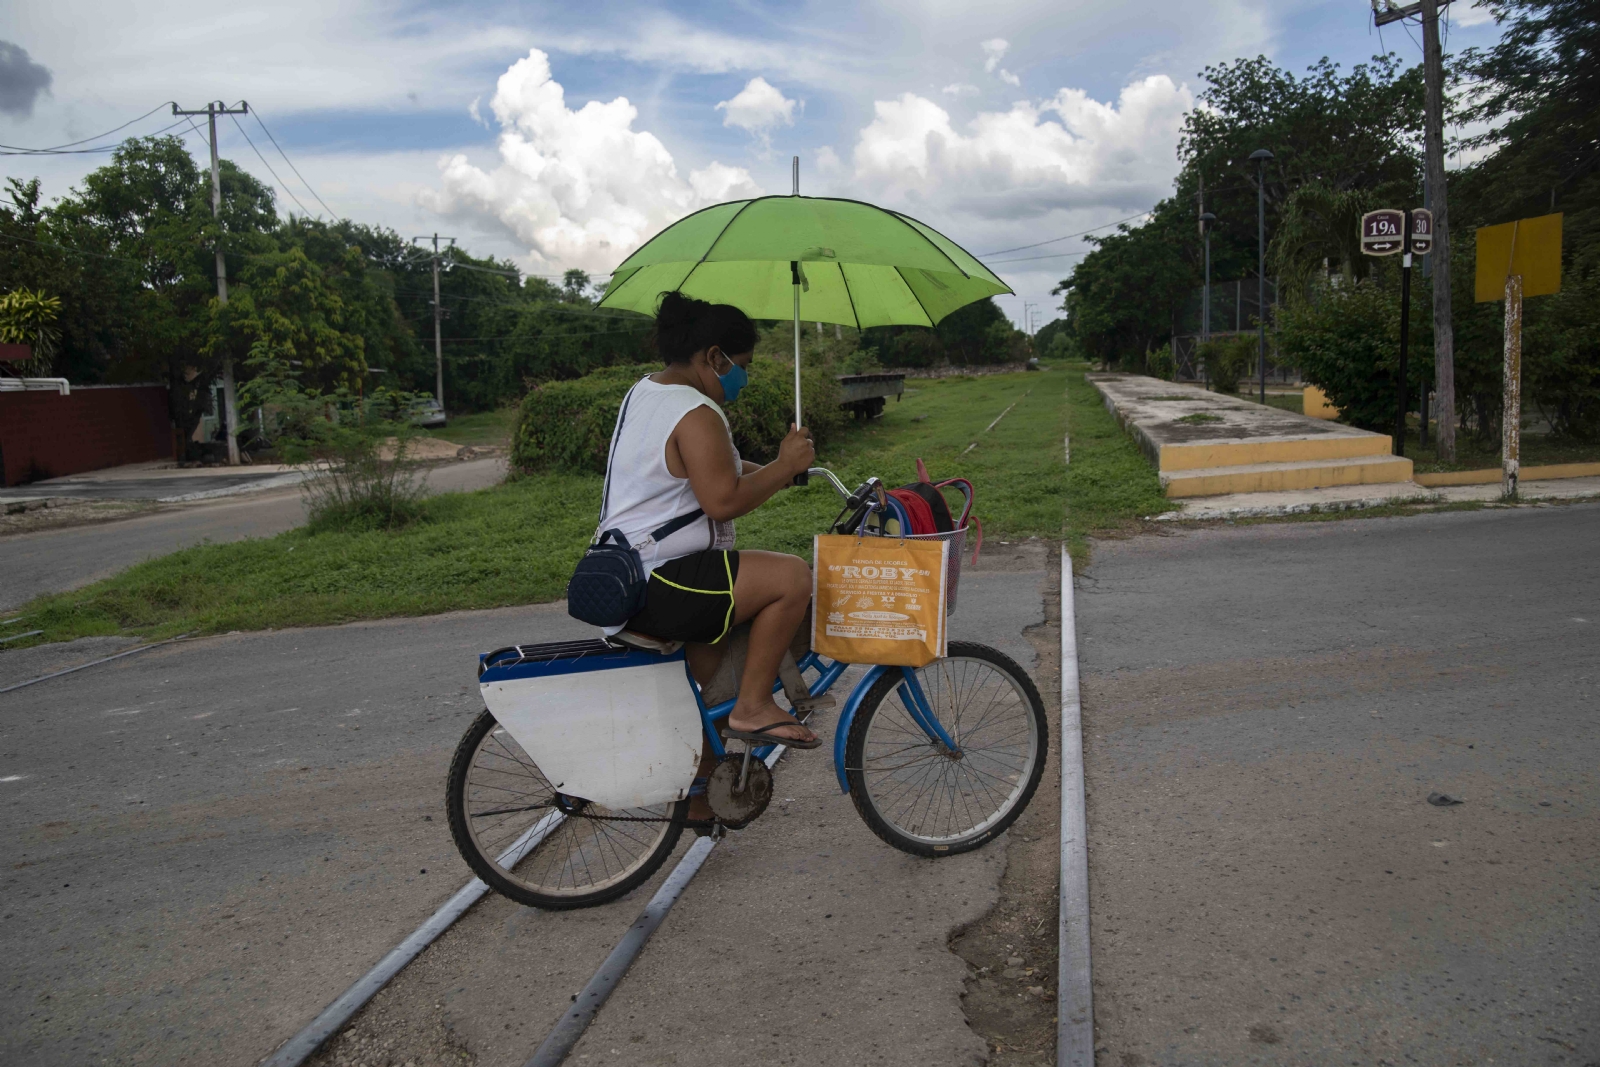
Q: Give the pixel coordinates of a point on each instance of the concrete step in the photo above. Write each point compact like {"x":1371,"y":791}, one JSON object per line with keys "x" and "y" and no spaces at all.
{"x":1279,"y":477}
{"x":1202,"y":455}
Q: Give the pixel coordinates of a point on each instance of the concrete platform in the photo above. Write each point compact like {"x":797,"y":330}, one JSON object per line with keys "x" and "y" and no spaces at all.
{"x":1352,"y":497}
{"x":1212,"y":444}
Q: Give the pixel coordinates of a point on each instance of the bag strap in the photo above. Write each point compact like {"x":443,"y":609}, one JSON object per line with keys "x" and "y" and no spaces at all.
{"x":661,"y":533}
{"x":611,"y":457}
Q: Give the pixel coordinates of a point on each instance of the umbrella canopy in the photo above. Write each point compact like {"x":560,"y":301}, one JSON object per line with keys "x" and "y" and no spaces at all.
{"x":857,"y":265}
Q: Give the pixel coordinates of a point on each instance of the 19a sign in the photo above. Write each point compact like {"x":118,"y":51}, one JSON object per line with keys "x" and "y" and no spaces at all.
{"x":1382,"y":232}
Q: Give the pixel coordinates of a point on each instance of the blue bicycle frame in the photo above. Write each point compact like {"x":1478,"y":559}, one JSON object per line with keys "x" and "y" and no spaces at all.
{"x":829,"y":672}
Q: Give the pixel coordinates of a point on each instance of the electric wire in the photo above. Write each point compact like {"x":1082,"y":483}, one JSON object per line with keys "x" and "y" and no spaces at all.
{"x":86,"y":140}
{"x":1057,"y":255}
{"x":68,"y":248}
{"x":83,"y":151}
{"x":281,"y":183}
{"x":334,"y":214}
{"x":1068,"y":237}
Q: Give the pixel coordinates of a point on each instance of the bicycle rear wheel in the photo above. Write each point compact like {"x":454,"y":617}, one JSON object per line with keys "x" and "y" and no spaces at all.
{"x":516,"y":836}
{"x":930,"y":801}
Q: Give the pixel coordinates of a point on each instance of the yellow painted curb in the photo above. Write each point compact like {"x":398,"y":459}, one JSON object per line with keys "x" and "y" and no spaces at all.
{"x":1278,"y":479}
{"x":1270,"y":450}
{"x":1314,"y":404}
{"x":1548,"y":472}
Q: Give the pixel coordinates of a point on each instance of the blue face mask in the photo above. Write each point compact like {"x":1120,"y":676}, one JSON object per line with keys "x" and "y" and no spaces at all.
{"x":732,"y":382}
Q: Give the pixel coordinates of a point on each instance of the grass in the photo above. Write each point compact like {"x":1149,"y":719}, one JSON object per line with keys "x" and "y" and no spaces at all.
{"x":479,"y":428}
{"x":1198,"y":418}
{"x":1473,"y":454}
{"x":517,"y":543}
{"x":1110,"y":484}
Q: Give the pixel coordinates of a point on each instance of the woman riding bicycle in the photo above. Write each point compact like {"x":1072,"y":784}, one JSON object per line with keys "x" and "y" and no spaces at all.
{"x":673,"y":453}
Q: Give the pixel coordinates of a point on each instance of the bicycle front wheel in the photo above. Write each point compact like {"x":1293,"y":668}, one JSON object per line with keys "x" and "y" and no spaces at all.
{"x":926,"y":799}
{"x":527,"y":844}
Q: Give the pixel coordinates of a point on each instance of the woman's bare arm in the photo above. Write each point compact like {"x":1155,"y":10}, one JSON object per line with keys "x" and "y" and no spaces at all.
{"x":699,"y":450}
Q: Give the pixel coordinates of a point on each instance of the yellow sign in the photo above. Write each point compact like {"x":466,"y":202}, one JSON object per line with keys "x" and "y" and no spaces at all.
{"x":1529,"y":247}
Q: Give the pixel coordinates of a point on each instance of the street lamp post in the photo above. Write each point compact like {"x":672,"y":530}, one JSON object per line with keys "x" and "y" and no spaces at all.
{"x":1260,"y":157}
{"x":1205,"y":309}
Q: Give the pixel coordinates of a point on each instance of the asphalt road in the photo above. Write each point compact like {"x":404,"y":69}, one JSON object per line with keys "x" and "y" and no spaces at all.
{"x":52,"y":561}
{"x":160,"y":485}
{"x":211,"y":840}
{"x":1266,"y":711}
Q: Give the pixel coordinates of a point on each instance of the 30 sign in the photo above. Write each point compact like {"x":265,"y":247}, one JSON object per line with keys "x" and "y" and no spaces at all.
{"x":1382,"y":232}
{"x":1421,"y":231}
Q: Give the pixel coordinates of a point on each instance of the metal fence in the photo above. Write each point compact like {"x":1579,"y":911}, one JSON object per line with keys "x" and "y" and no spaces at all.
{"x":1235,"y":309}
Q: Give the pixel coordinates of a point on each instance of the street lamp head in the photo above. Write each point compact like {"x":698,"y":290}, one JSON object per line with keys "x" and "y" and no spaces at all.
{"x":1261,"y":155}
{"x":1208,"y":217}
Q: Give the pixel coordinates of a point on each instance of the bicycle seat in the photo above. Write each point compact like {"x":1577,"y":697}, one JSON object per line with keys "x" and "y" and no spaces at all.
{"x":645,"y":643}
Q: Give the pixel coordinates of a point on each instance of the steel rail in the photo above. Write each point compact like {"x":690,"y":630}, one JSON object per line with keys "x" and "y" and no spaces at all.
{"x":553,"y":1050}
{"x":303,"y":1045}
{"x":1074,"y":989}
{"x":91,"y":663}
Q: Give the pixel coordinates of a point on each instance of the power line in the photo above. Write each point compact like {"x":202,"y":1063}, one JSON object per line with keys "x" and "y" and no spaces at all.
{"x":1068,"y":237}
{"x":334,"y":214}
{"x":69,"y":248}
{"x":282,"y":184}
{"x":86,"y":140}
{"x":82,"y":151}
{"x":1058,"y":255}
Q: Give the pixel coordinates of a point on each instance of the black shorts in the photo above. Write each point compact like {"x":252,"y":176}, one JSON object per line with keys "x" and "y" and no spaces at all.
{"x":690,"y":598}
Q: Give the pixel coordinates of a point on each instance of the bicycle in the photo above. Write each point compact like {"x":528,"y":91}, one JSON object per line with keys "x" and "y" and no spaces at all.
{"x":938,"y":760}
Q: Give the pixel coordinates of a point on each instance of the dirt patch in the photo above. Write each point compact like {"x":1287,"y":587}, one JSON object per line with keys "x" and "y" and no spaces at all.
{"x":388,"y":1037}
{"x":1011,"y":953}
{"x":59,"y":513}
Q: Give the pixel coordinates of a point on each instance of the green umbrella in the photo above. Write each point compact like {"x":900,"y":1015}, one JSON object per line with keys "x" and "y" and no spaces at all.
{"x":819,"y":258}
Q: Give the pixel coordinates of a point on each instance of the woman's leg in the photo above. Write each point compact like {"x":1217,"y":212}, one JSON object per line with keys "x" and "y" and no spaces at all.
{"x":771,"y":593}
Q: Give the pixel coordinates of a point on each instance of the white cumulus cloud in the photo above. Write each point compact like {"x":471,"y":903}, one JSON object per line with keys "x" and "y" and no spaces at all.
{"x":994,"y":50}
{"x":1067,"y":152}
{"x":758,"y":109}
{"x":578,"y":188}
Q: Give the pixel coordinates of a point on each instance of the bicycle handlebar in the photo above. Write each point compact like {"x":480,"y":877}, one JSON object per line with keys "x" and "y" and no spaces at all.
{"x":870,"y":487}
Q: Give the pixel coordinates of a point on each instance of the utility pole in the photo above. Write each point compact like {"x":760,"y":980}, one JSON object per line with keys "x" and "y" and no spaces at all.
{"x":230,"y":407}
{"x":1444,"y":367}
{"x":438,"y":315}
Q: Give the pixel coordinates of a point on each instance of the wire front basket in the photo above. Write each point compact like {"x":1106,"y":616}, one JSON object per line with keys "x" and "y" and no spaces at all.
{"x":952,"y":567}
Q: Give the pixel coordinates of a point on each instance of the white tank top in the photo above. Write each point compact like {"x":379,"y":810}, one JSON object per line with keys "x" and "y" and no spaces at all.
{"x":644,"y":495}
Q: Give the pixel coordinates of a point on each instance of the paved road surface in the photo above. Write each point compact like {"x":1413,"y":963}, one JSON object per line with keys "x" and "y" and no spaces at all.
{"x":211,"y":840}
{"x":147,"y":482}
{"x":52,"y":561}
{"x":1266,"y":710}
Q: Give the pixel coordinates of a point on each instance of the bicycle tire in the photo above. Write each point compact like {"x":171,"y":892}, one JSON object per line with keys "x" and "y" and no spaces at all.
{"x":476,"y":851}
{"x":871,"y":803}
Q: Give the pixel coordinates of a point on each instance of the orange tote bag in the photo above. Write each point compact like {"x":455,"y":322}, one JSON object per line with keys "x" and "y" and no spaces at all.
{"x":879,"y":599}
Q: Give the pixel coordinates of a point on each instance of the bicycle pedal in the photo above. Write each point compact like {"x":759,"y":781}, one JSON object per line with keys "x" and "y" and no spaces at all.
{"x":805,"y":707}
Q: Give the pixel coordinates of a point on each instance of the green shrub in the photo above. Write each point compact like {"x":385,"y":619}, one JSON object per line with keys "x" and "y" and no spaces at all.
{"x":1346,"y":341}
{"x":567,"y":425}
{"x":1227,"y":359}
{"x":1160,"y":363}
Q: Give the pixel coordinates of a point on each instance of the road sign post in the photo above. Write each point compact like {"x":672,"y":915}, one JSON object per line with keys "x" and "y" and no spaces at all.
{"x":1516,"y":260}
{"x":1383,"y":233}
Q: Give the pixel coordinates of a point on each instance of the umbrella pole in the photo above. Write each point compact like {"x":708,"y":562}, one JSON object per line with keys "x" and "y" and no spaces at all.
{"x":802,"y":477}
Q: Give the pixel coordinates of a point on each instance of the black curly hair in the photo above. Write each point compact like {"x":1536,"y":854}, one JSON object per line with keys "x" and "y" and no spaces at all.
{"x":685,"y":326}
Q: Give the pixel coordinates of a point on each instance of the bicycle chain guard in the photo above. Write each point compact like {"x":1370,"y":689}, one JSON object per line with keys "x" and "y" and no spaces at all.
{"x":733,"y":807}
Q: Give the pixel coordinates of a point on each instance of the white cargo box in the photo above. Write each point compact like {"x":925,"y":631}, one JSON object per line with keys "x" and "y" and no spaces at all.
{"x":617,"y":727}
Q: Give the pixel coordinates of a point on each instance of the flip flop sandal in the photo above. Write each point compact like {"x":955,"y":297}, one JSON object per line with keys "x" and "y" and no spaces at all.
{"x":763,"y":736}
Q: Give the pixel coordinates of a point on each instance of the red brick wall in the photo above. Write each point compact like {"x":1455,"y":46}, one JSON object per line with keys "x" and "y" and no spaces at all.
{"x":46,"y":435}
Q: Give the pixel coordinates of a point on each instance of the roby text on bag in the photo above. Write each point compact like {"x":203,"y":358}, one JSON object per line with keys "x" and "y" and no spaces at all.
{"x":879,"y":599}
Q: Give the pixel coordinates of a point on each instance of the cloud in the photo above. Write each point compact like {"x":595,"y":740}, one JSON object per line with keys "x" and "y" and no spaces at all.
{"x":1069,"y":151}
{"x":1009,"y":78}
{"x":22,"y":81}
{"x":994,"y":50}
{"x":579,"y":188}
{"x":959,"y":89}
{"x":1473,"y":14}
{"x":758,"y":109}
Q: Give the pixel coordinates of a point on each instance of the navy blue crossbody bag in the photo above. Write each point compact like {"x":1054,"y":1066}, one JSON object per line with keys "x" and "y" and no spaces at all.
{"x":608,"y":586}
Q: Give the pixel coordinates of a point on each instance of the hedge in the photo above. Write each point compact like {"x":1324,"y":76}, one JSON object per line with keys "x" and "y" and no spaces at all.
{"x":567,"y":425}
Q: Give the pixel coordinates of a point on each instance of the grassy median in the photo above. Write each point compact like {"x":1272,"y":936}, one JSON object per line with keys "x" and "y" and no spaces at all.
{"x":517,"y":543}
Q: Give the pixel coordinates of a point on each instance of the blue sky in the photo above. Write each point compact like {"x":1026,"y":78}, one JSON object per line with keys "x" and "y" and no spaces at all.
{"x":999,"y":123}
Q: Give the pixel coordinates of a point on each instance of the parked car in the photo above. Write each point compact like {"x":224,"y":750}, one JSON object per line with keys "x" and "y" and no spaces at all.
{"x":428,"y":414}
